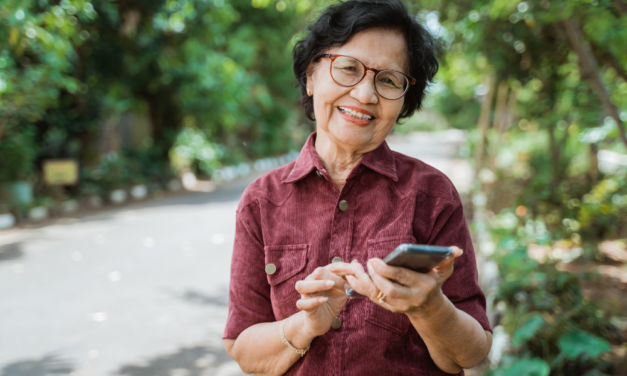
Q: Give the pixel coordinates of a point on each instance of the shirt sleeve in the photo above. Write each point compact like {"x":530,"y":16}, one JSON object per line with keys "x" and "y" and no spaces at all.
{"x":462,"y":287}
{"x":249,"y":291}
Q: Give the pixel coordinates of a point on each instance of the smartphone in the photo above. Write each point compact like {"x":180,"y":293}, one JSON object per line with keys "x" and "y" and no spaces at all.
{"x":417,"y":257}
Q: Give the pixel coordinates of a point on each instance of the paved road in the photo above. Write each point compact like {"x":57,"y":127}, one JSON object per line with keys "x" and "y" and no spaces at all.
{"x":140,"y":291}
{"x":137,"y":291}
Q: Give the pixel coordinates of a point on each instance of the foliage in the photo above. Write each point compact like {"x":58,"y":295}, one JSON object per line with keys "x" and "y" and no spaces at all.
{"x":517,"y":57}
{"x":70,"y":70}
{"x":36,"y":50}
{"x":17,"y":153}
{"x":550,"y":320}
{"x":192,"y":151}
{"x":515,"y":76}
{"x":603,"y":211}
{"x":525,"y":367}
{"x":113,"y":172}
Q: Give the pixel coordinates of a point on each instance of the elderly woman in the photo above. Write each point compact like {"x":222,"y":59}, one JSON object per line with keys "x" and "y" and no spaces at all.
{"x":363,"y":66}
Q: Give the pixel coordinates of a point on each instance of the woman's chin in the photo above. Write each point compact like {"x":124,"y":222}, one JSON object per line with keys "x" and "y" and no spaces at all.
{"x":354,"y":136}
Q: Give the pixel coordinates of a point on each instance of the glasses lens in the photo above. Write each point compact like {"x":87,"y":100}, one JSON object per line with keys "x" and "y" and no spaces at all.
{"x":347,"y":71}
{"x":391,"y":84}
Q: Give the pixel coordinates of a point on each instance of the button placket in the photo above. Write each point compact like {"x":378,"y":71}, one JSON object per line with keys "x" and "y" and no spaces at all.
{"x":340,"y":245}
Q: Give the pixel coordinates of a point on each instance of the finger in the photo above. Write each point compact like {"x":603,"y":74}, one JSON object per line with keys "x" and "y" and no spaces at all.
{"x":394,"y":305}
{"x":363,"y":287}
{"x":389,"y":288}
{"x":310,"y":287}
{"x":342,"y":268}
{"x":322,"y":273}
{"x":400,"y":275}
{"x":356,"y":276}
{"x":308,"y":304}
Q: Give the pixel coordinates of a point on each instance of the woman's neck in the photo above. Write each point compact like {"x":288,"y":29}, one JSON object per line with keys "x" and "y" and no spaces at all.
{"x":339,"y":161}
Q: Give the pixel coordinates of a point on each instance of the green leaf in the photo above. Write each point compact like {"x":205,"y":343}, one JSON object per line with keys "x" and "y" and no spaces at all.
{"x":580,"y":342}
{"x":528,"y":330}
{"x":595,"y":372}
{"x":528,"y":367}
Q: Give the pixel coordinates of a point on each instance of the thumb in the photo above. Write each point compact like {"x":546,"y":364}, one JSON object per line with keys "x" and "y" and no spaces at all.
{"x":448,"y":263}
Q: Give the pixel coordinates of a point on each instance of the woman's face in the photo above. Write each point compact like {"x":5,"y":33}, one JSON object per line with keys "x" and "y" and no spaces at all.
{"x":376,"y":48}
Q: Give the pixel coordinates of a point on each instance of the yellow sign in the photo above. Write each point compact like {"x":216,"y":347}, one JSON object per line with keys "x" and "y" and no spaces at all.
{"x":61,"y":172}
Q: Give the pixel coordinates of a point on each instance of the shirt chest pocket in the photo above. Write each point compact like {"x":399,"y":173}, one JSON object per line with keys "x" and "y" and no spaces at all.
{"x":285,"y":264}
{"x":395,"y":322}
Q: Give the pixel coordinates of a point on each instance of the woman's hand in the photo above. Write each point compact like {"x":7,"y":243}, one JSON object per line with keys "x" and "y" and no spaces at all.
{"x":406,"y":291}
{"x":322,"y":298}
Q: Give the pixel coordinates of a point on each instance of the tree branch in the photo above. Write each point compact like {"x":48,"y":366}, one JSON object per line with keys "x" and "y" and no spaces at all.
{"x":588,"y":61}
{"x":609,"y":60}
{"x":621,"y":7}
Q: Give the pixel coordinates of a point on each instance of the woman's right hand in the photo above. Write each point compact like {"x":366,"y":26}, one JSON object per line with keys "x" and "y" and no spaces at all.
{"x":322,"y":298}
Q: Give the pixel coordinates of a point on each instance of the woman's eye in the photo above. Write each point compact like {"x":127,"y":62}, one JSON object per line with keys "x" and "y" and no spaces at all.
{"x":389,"y":82}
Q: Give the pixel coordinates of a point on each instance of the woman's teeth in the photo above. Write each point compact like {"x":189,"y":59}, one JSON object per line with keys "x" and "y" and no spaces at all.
{"x":355,"y":114}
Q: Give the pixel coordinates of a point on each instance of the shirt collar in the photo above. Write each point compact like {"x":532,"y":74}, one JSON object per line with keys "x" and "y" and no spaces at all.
{"x":380,"y":160}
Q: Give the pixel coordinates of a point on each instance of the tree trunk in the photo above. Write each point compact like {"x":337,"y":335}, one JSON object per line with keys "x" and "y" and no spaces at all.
{"x":621,"y":7}
{"x":589,"y":62}
{"x":4,"y":123}
{"x":502,"y":117}
{"x":594,"y":164}
{"x":555,"y":153}
{"x":484,"y":123}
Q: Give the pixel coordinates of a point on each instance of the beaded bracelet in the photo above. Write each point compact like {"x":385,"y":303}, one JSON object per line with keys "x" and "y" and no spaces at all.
{"x":299,"y":351}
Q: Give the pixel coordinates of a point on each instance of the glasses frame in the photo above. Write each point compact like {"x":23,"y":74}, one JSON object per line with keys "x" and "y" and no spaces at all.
{"x":410,"y":79}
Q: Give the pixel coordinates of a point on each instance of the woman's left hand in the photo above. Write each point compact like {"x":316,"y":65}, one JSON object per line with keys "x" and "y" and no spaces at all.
{"x":406,"y":291}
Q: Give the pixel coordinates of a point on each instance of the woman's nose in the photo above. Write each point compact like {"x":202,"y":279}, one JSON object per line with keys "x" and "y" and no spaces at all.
{"x":365,"y":91}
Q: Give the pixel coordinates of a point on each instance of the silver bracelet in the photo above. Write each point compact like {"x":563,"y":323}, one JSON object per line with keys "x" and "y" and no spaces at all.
{"x":299,"y":351}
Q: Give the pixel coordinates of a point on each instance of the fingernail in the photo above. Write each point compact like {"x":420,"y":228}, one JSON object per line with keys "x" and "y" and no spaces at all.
{"x":329,"y":283}
{"x":354,"y":261}
{"x":461,"y":252}
{"x":322,"y":300}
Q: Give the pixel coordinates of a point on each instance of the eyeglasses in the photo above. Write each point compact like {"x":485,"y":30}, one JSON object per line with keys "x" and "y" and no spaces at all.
{"x":348,"y":71}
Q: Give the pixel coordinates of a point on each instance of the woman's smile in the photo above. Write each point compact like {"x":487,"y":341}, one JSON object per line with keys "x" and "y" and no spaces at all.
{"x":355,"y":115}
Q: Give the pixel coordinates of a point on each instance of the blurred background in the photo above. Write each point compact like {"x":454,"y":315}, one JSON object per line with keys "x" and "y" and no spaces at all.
{"x":130,"y":128}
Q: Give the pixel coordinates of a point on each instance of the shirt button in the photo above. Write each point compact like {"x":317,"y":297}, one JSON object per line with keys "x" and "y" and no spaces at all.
{"x":343,"y":205}
{"x":319,"y":173}
{"x":336,"y":323}
{"x":337,"y":259}
{"x":270,"y":268}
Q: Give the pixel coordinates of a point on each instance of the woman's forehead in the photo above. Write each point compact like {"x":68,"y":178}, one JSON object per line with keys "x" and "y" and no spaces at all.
{"x":377,"y":48}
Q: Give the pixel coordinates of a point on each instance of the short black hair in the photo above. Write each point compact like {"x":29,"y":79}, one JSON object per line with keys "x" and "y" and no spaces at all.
{"x":338,"y":23}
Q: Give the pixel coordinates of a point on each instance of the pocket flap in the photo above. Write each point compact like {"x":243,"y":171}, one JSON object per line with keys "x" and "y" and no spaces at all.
{"x":381,"y":247}
{"x":288,"y":259}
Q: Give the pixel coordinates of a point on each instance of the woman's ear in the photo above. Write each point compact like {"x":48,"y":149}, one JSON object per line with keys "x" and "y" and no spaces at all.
{"x":310,"y":81}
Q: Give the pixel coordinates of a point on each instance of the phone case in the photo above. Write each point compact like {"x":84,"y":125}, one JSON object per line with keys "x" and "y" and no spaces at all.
{"x":420,"y":258}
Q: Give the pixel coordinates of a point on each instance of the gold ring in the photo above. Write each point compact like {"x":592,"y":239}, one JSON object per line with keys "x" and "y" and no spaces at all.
{"x":381,"y":297}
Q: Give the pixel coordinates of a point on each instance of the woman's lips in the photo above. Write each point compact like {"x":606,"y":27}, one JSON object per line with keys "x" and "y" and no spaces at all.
{"x":352,"y":119}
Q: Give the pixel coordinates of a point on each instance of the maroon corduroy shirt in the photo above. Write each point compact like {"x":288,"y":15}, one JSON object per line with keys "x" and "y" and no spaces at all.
{"x":290,"y":217}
